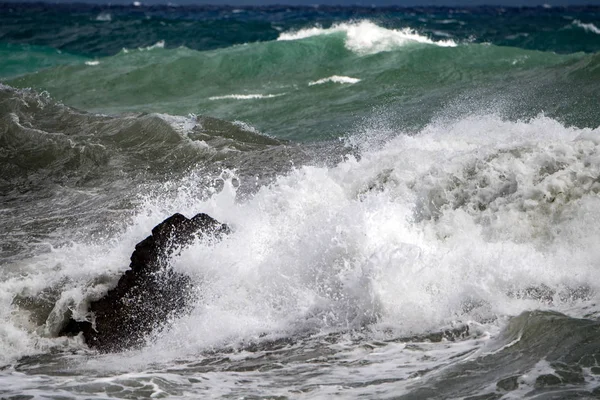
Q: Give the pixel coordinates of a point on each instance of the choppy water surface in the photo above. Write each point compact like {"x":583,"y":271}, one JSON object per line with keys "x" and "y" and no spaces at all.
{"x":413,"y":196}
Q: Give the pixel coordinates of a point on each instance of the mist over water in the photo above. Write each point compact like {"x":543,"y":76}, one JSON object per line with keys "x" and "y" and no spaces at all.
{"x":413,"y":197}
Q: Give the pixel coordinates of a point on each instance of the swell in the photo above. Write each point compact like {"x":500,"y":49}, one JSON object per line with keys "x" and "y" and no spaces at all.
{"x":46,"y":143}
{"x":19,"y":59}
{"x":303,"y":54}
{"x":539,"y":353}
{"x":269,"y":84}
{"x":43,"y":140}
{"x":65,"y":173}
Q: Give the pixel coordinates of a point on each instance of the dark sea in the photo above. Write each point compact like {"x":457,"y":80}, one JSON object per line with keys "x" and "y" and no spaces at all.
{"x":413,"y":196}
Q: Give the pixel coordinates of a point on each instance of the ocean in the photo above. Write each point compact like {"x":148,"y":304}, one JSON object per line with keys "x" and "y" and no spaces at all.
{"x":413,"y":197}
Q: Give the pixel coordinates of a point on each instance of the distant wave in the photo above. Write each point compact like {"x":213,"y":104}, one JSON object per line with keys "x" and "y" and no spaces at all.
{"x":587,"y":27}
{"x":158,"y":45}
{"x":365,"y":37}
{"x":245,"y":96}
{"x":335,"y":79}
{"x":104,"y":17}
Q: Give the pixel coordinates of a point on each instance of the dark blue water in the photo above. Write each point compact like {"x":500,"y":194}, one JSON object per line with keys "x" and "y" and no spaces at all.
{"x":85,"y":30}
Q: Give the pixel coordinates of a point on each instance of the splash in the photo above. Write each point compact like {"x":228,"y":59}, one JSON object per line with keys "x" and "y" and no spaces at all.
{"x":469,"y":220}
{"x":444,"y":226}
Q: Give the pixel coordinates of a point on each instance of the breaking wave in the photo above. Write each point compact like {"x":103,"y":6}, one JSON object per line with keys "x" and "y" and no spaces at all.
{"x":335,"y":79}
{"x":587,"y":27}
{"x":365,"y":37}
{"x":446,"y":225}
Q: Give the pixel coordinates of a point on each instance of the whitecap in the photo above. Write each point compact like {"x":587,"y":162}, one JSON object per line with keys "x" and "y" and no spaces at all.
{"x":365,"y":37}
{"x":335,"y":79}
{"x":587,"y":27}
{"x":246,"y":127}
{"x":182,"y":125}
{"x":158,"y":45}
{"x":245,"y":96}
{"x":104,"y":17}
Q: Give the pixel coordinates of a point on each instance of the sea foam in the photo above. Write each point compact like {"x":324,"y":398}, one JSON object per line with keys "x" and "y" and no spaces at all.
{"x":245,"y":96}
{"x":453,"y":223}
{"x":429,"y":229}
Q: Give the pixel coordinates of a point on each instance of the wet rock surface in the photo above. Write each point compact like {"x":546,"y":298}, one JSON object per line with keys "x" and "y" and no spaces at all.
{"x":150,"y":292}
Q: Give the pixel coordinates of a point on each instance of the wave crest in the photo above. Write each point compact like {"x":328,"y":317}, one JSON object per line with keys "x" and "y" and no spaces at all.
{"x":335,"y":79}
{"x":252,"y":96}
{"x":365,"y":37}
{"x":587,"y":27}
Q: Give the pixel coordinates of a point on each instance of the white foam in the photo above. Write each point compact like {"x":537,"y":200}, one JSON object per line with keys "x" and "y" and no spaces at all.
{"x":335,"y":79}
{"x":246,"y":96}
{"x":365,"y":37}
{"x":158,"y":45}
{"x":449,"y":21}
{"x":92,"y":63}
{"x":410,"y":235}
{"x":247,"y":127}
{"x":182,"y":125}
{"x":587,"y":27}
{"x":104,"y":17}
{"x":446,"y":225}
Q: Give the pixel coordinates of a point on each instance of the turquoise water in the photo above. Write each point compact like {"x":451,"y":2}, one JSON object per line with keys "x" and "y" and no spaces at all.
{"x":229,"y":63}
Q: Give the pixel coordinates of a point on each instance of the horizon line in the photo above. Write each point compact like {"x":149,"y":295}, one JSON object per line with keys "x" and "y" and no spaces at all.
{"x":141,"y":4}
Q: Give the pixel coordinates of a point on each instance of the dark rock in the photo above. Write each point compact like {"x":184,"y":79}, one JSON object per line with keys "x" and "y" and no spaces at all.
{"x":150,"y":292}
